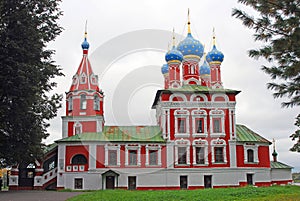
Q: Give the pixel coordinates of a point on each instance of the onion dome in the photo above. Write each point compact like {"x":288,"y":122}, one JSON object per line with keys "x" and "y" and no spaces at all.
{"x":165,"y":69}
{"x":204,"y":69}
{"x":190,"y":46}
{"x":215,"y":55}
{"x":173,"y":54}
{"x":85,"y":45}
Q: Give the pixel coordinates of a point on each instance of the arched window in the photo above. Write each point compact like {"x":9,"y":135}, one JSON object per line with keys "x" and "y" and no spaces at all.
{"x":250,"y":156}
{"x":70,"y":103}
{"x":79,"y":159}
{"x":83,"y":101}
{"x":77,"y":128}
{"x":96,"y":103}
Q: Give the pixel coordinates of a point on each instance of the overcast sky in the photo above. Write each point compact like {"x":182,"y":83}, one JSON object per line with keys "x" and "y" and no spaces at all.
{"x":128,"y":41}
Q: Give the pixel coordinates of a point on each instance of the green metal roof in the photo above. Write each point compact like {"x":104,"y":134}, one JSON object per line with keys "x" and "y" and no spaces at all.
{"x":49,"y":148}
{"x":120,"y":134}
{"x":279,"y":165}
{"x":244,"y":134}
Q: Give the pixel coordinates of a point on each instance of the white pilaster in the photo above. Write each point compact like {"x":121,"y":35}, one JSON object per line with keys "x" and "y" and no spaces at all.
{"x":232,"y":153}
{"x":92,"y":156}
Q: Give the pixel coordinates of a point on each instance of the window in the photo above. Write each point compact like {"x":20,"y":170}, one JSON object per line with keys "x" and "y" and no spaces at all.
{"x":181,"y":125}
{"x":182,"y":155}
{"x":153,"y":157}
{"x":70,"y":103}
{"x":200,"y":157}
{"x":132,"y":157}
{"x":96,"y":103}
{"x":79,"y":159}
{"x":219,"y":157}
{"x":250,"y":156}
{"x":199,"y":126}
{"x":77,"y":128}
{"x":112,"y":157}
{"x":217,"y":125}
{"x":83,"y":101}
{"x":78,"y":183}
{"x":82,"y":78}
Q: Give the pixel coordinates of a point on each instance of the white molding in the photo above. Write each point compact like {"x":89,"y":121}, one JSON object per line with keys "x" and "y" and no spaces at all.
{"x":201,"y":95}
{"x":180,"y":95}
{"x":218,"y":143}
{"x":182,"y":143}
{"x":253,"y":147}
{"x":133,"y":147}
{"x":204,"y":144}
{"x":202,"y":114}
{"x":156,"y":148}
{"x":108,"y":147}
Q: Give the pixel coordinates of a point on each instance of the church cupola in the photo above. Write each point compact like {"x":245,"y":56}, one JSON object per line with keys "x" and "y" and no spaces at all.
{"x":205,"y":74}
{"x":174,"y":57}
{"x":192,"y":51}
{"x":215,"y":58}
{"x":165,"y":72}
{"x":84,"y":100}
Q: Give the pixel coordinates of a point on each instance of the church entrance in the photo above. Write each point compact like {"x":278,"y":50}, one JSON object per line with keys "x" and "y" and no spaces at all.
{"x":207,"y":181}
{"x":110,"y":182}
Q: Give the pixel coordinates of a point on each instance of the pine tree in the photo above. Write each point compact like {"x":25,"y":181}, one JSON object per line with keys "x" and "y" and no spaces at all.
{"x":277,"y":25}
{"x":27,"y":72}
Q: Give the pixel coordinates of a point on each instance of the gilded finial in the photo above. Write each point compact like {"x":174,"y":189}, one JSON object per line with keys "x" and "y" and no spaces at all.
{"x":85,"y":30}
{"x":189,"y":22}
{"x":214,"y":36}
{"x":173,"y":41}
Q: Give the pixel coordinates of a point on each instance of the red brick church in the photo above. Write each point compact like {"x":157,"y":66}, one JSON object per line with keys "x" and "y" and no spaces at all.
{"x":195,"y":144}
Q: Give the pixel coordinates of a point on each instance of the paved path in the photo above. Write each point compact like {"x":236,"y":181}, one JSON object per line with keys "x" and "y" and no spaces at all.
{"x":36,"y":195}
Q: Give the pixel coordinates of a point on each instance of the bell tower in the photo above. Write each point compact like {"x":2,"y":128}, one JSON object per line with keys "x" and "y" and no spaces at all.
{"x":84,"y":100}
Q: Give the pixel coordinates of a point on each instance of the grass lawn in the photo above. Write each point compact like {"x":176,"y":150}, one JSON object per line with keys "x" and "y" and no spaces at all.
{"x":280,"y":193}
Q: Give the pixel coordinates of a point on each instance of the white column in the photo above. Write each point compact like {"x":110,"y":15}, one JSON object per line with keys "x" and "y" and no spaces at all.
{"x":64,"y":127}
{"x":170,"y":155}
{"x":61,"y":165}
{"x":232,"y":153}
{"x":92,"y":156}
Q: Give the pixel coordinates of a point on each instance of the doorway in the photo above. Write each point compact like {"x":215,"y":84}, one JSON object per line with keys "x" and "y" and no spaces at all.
{"x":132,"y":183}
{"x":207,"y":181}
{"x":183,"y":182}
{"x":250,"y":179}
{"x":110,"y":182}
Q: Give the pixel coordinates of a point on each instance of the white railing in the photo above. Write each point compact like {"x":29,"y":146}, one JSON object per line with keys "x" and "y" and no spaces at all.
{"x":49,"y":175}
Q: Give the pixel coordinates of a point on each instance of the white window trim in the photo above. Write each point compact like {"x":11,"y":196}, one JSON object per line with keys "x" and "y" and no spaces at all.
{"x":77,"y":124}
{"x":218,"y":143}
{"x":214,"y":96}
{"x":254,"y":147}
{"x":200,"y":95}
{"x":186,"y":144}
{"x":217,"y":114}
{"x":200,"y":143}
{"x":112,"y":147}
{"x":156,"y":148}
{"x":83,"y":75}
{"x":184,"y":98}
{"x":199,"y":114}
{"x":129,"y":147}
{"x":183,"y":114}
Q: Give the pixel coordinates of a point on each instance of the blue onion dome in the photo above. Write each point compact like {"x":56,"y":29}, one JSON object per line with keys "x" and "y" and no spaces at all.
{"x":215,"y":55}
{"x":173,"y":54}
{"x":204,"y":69}
{"x":165,"y":69}
{"x":191,"y":46}
{"x":85,"y":45}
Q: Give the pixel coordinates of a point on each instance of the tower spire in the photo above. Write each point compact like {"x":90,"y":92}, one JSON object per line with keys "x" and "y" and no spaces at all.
{"x":274,"y":154}
{"x":173,"y":38}
{"x":214,"y":36}
{"x":189,"y":22}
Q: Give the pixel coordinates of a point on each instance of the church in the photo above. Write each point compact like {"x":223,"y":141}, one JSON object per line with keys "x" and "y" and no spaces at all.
{"x":196,"y":143}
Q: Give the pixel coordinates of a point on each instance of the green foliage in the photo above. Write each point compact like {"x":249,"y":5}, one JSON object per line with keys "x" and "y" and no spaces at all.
{"x":277,"y":25}
{"x":247,"y":193}
{"x":26,"y":76}
{"x":296,"y":136}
